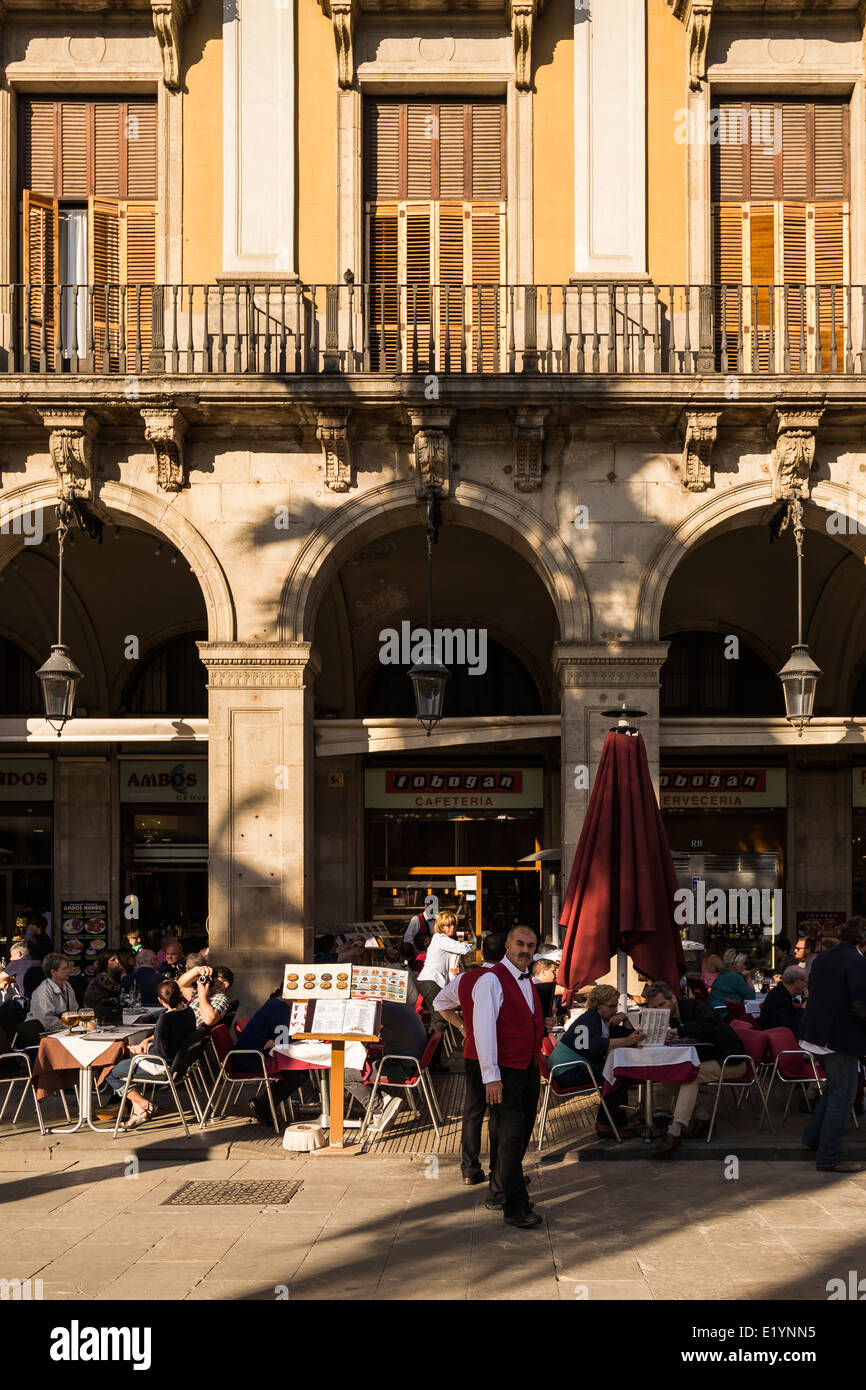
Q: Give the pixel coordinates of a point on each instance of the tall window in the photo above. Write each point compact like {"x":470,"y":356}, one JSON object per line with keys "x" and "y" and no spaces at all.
{"x":780,"y":192}
{"x":435,"y":214}
{"x":171,"y":679}
{"x":88,"y":183}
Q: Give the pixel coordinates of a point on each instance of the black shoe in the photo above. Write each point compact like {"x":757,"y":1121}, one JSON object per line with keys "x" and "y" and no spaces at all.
{"x":495,"y":1203}
{"x":262,"y":1113}
{"x":472,"y":1179}
{"x":525,"y":1220}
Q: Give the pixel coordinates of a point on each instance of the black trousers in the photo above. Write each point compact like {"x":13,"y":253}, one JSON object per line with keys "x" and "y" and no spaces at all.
{"x":474,"y":1106}
{"x":511,"y":1125}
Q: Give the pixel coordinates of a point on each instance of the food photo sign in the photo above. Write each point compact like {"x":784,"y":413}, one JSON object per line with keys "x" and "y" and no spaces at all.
{"x":302,"y":982}
{"x":83,"y":932}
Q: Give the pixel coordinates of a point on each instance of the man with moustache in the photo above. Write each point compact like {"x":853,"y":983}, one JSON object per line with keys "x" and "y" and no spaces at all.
{"x":508,"y":1029}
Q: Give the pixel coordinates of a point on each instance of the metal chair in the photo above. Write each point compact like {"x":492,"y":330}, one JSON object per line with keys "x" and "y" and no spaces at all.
{"x":739,"y":1083}
{"x":180,"y":1072}
{"x":25,"y":1076}
{"x":419,"y":1080}
{"x":552,"y":1090}
{"x":229,"y":1076}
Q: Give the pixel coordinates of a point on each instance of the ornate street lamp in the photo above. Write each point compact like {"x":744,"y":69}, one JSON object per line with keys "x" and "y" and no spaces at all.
{"x":59,"y":676}
{"x":429,"y":677}
{"x":799,"y":675}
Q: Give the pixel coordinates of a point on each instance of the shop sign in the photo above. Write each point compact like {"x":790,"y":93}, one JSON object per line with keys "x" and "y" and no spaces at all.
{"x":722,"y":788}
{"x":454,"y":789}
{"x":823,"y":926}
{"x":26,"y":779}
{"x":84,"y":932}
{"x":169,"y":779}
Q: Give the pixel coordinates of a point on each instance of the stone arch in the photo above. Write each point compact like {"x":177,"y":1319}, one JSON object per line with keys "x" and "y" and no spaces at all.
{"x":729,"y":511}
{"x":164,"y":517}
{"x":387,"y":508}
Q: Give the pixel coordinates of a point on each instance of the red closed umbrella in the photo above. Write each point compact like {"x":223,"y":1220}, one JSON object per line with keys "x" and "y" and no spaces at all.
{"x":621,"y":891}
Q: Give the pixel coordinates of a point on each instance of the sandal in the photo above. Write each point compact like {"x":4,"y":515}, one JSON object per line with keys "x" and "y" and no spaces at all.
{"x":140,"y":1113}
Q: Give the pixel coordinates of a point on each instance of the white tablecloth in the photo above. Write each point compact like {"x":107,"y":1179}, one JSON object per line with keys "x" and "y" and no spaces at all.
{"x":317,"y":1054}
{"x":753,"y":1006}
{"x":85,"y":1048}
{"x":645,"y":1058}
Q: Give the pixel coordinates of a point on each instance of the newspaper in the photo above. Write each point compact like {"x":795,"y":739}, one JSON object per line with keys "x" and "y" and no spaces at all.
{"x":655,"y":1023}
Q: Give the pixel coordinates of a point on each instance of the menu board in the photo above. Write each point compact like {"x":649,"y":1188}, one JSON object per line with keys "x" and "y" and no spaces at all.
{"x":333,"y":1017}
{"x":317,"y":982}
{"x":379,"y":982}
{"x":83,"y":932}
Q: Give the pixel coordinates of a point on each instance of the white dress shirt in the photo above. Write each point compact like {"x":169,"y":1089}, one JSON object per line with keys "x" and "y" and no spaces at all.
{"x":49,"y":1001}
{"x":414,"y":927}
{"x":449,"y":998}
{"x":441,"y":955}
{"x":486,"y":1003}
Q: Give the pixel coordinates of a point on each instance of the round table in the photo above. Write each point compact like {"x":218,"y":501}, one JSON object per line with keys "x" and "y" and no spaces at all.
{"x":65,"y":1051}
{"x":667,"y":1064}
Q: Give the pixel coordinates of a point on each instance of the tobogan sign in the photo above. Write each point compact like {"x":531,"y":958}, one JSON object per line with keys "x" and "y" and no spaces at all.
{"x":454,"y":789}
{"x":721,"y":788}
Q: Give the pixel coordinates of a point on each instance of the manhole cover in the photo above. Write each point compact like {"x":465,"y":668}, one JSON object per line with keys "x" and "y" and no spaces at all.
{"x":267,"y":1193}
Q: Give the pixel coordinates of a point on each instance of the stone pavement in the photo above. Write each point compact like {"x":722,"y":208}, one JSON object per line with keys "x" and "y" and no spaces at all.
{"x":387,"y":1229}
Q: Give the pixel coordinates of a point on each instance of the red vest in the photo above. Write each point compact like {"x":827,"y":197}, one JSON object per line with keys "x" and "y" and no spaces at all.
{"x":519,"y":1033}
{"x":465,"y":986}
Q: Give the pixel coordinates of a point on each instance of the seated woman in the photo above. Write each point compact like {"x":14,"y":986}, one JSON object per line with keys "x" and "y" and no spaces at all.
{"x":172,"y":1031}
{"x":598,"y":1031}
{"x":733,"y":982}
{"x":711,"y":966}
{"x":103,"y":990}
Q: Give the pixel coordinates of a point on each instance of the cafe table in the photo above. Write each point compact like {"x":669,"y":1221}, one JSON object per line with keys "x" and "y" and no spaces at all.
{"x":665,"y":1064}
{"x":329,"y":1059}
{"x":71,"y":1050}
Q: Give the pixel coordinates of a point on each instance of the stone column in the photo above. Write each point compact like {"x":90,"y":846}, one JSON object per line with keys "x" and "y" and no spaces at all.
{"x":818,"y":877}
{"x":260,"y":712}
{"x":86,"y":842}
{"x":595,"y":676}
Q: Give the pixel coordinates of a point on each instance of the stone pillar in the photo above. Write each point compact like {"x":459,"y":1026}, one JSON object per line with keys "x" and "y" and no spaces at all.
{"x":260,"y":722}
{"x":86,"y":839}
{"x":594,"y":676}
{"x":818,"y":877}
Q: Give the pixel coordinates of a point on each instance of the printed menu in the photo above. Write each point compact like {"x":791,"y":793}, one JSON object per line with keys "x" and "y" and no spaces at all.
{"x":316,"y":982}
{"x":83,"y":932}
{"x":334,"y":1017}
{"x":379,"y":982}
{"x":655,"y":1023}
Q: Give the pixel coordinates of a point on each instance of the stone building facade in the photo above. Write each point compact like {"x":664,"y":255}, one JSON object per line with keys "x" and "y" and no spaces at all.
{"x":610,"y":427}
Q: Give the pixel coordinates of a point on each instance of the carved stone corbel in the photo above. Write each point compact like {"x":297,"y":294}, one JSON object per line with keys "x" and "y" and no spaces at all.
{"x":794,"y":454}
{"x":528,"y":449}
{"x":342,"y":15}
{"x":333,"y":434}
{"x":169,"y":17}
{"x":697,"y":16}
{"x":70,"y":441}
{"x":699,"y":430}
{"x":164,"y":428}
{"x":523,"y":14}
{"x":432,"y":450}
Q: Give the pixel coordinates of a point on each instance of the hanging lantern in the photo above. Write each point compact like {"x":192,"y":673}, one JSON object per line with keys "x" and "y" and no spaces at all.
{"x":799,"y":677}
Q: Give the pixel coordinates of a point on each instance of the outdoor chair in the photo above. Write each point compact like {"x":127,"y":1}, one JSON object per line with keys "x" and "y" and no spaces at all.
{"x":697,"y":987}
{"x":552,"y":1090}
{"x":183,"y":1071}
{"x":793,"y":1066}
{"x":15,"y":1067}
{"x":421,"y":1080}
{"x":750,"y":1082}
{"x":735,"y":1008}
{"x":232,"y":1077}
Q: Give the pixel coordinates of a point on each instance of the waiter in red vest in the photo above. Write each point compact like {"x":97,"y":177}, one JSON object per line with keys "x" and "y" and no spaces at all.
{"x":508,"y":1030}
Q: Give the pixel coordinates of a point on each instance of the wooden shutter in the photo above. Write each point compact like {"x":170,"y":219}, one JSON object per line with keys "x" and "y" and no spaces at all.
{"x":728,"y":239}
{"x":41,"y":276}
{"x":452,"y":276}
{"x":831,"y":271}
{"x":104,"y":274}
{"x":384,"y":316}
{"x":487,"y":146}
{"x":452,"y":150}
{"x":39,"y":147}
{"x":382,"y":163}
{"x":486,"y":228}
{"x":75,"y":148}
{"x":138,"y":274}
{"x":139,"y":121}
{"x":107,"y":134}
{"x":418,"y":307}
{"x":420,"y":131}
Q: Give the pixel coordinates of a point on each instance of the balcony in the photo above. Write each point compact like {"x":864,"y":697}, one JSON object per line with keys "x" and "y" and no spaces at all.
{"x":288,"y":330}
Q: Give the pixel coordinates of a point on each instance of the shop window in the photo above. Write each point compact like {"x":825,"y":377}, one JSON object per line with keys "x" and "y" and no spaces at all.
{"x":170,"y":680}
{"x":858,"y":703}
{"x":506,"y":688}
{"x":19,"y":688}
{"x":88,"y":187}
{"x":698,"y":679}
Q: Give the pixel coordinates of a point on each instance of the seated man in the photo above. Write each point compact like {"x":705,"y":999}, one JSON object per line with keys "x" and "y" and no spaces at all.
{"x":206,"y":995}
{"x":403,"y":1034}
{"x":778,"y":1009}
{"x":544,"y":971}
{"x":25,"y":970}
{"x":173,"y":965}
{"x":695,"y":1021}
{"x":600,"y":1029}
{"x":173,"y":1028}
{"x":55,"y":996}
{"x":13,"y":1009}
{"x":145,"y":977}
{"x":268,"y":1025}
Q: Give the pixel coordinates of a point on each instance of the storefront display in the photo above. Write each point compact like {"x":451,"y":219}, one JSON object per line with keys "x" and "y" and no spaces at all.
{"x":83,"y":932}
{"x":26,"y":793}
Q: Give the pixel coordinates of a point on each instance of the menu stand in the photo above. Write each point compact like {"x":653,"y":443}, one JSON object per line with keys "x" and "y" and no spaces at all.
{"x":336,"y":1081}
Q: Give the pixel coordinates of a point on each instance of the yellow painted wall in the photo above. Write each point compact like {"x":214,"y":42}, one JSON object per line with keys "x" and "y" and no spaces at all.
{"x":553,"y":154}
{"x":666,"y":160}
{"x":203,"y":145}
{"x":317,"y":148}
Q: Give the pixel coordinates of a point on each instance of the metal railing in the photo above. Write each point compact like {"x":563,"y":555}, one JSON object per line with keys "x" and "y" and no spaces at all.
{"x":584,"y":329}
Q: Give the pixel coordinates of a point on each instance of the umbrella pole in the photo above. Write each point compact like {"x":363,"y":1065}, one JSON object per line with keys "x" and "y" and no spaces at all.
{"x":622,"y":980}
{"x":554,"y":908}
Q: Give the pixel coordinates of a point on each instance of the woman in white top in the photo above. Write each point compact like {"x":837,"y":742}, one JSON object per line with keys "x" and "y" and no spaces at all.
{"x":443,"y":952}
